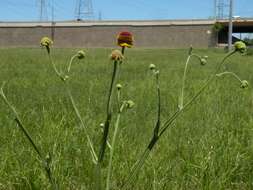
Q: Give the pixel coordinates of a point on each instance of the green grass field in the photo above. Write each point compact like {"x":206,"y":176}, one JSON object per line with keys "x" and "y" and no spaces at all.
{"x":210,"y":146}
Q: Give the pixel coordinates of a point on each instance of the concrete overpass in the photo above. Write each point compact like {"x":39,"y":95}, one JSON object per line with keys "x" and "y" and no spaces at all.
{"x":148,"y":33}
{"x":240,"y":26}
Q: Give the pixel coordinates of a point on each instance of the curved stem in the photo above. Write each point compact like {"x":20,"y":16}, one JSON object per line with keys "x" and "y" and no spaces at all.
{"x":93,"y":154}
{"x":211,"y":78}
{"x":230,"y":73}
{"x":55,"y":69}
{"x":197,"y":56}
{"x":181,"y":97}
{"x":70,"y":63}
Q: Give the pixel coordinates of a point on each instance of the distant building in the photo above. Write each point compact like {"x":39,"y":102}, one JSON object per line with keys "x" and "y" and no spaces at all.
{"x":148,"y":34}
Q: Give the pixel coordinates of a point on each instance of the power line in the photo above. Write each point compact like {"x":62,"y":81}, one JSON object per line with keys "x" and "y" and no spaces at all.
{"x":55,"y":9}
{"x":84,"y":10}
{"x":221,"y":9}
{"x":42,"y":10}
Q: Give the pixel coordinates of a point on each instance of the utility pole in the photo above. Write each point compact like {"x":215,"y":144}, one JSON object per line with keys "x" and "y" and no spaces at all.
{"x":215,"y":10}
{"x":230,"y":28}
{"x":84,"y":10}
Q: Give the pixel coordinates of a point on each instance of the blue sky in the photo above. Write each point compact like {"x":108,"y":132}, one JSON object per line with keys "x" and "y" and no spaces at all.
{"x":11,"y":10}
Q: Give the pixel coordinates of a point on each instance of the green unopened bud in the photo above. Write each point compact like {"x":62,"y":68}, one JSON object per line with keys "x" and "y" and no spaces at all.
{"x":118,"y":86}
{"x":205,"y":56}
{"x":244,"y":84}
{"x":157,"y":72}
{"x":66,"y":77}
{"x":129,"y":104}
{"x":48,"y":158}
{"x":152,"y":67}
{"x":101,"y":125}
{"x":203,"y":61}
{"x":240,"y":46}
{"x":81,"y":54}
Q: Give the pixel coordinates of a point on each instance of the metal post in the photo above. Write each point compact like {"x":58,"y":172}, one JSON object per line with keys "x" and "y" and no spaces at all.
{"x":230,"y":29}
{"x":215,"y":10}
{"x":52,"y":22}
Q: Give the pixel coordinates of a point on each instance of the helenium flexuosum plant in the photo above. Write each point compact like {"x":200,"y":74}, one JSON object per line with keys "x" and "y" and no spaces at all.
{"x":238,"y":47}
{"x":124,"y":39}
{"x":46,"y":160}
{"x":64,"y":78}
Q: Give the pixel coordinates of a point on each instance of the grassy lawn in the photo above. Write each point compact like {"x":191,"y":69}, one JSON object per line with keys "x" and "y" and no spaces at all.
{"x":210,"y":146}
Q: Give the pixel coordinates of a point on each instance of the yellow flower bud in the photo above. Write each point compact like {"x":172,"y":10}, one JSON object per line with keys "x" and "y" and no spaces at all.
{"x":240,"y":46}
{"x":116,"y":55}
{"x":46,"y":42}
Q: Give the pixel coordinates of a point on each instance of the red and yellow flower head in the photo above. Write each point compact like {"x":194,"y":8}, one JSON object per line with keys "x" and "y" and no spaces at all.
{"x":125,"y":39}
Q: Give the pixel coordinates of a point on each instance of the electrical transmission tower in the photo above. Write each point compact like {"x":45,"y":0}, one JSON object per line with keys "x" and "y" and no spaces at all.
{"x":84,"y":10}
{"x":221,"y":9}
{"x":42,"y":10}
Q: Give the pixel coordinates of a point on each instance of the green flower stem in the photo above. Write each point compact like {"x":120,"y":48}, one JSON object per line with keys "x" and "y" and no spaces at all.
{"x":113,"y":146}
{"x":70,"y":62}
{"x":123,"y":50}
{"x":197,"y":56}
{"x":230,"y":73}
{"x":109,"y":113}
{"x":158,"y":122}
{"x":45,"y":162}
{"x":118,"y":98}
{"x":92,"y":150}
{"x":181,"y":97}
{"x":54,"y":67}
{"x":106,"y":128}
{"x":153,"y":141}
{"x":63,"y":78}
